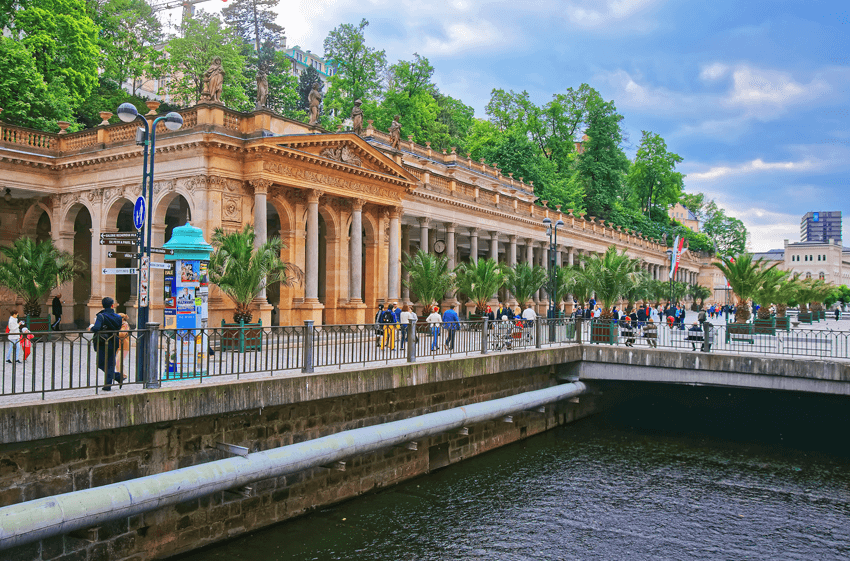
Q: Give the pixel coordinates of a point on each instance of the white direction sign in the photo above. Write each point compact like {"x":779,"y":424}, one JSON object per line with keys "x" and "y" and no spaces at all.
{"x":119,"y":271}
{"x":163,"y":266}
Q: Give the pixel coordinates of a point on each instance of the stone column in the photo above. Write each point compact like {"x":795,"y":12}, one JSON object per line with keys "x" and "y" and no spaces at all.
{"x":450,"y":243}
{"x":529,"y":251}
{"x":311,"y":287}
{"x":571,"y":256}
{"x":558,"y":258}
{"x":423,"y":233}
{"x":494,"y":246}
{"x":394,"y":273}
{"x":261,"y":189}
{"x":512,"y":251}
{"x":473,"y":245}
{"x":355,"y":252}
{"x":405,"y":248}
{"x":64,"y":240}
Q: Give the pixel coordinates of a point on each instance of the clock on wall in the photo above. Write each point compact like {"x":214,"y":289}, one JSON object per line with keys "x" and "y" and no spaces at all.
{"x":439,"y":246}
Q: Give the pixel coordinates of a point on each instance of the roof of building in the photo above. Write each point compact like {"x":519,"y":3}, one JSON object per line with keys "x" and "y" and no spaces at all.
{"x":770,"y":255}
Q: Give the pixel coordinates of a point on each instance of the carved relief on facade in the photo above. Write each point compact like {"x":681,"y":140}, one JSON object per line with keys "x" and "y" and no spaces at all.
{"x":231,"y":208}
{"x":163,"y":186}
{"x":322,"y":179}
{"x":95,"y":195}
{"x":342,"y":154}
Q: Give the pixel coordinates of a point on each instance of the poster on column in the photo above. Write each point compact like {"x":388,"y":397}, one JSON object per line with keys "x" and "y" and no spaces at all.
{"x":170,"y":311}
{"x":188,"y":273}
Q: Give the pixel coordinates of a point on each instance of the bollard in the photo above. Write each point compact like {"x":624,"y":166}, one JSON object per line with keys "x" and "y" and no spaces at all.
{"x":578,"y":322}
{"x":485,"y":333}
{"x":308,"y":347}
{"x":151,"y":358}
{"x":538,"y":333}
{"x":411,"y":341}
{"x":706,"y":333}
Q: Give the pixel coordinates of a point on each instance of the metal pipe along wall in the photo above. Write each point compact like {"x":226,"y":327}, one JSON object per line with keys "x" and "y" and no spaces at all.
{"x":42,"y":518}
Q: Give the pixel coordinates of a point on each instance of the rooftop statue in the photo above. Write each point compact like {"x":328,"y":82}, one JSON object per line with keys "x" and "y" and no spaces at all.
{"x":395,"y":132}
{"x":262,"y":90}
{"x":213,"y":82}
{"x":315,"y":99}
{"x":357,"y":118}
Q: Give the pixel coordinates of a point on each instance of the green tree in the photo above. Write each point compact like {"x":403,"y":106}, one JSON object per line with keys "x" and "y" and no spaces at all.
{"x":698,"y":292}
{"x":602,"y":164}
{"x":746,"y":277}
{"x":769,"y":291}
{"x":571,"y":280}
{"x":27,"y":100}
{"x":727,"y":234}
{"x":129,"y":36}
{"x":523,"y":280}
{"x":31,"y":270}
{"x":479,"y":281}
{"x":457,"y":118}
{"x":610,"y":276}
{"x":360,"y":69}
{"x":410,"y":94}
{"x":204,"y":38}
{"x":254,"y":22}
{"x":242,"y":272}
{"x":695,"y":203}
{"x":429,"y":278}
{"x":652,"y":177}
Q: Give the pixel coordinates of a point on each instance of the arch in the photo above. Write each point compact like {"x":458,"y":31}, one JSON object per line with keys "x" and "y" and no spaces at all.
{"x":110,"y":218}
{"x":164,"y":201}
{"x":284,"y":212}
{"x":67,"y":222}
{"x":82,"y":249}
{"x":33,"y":216}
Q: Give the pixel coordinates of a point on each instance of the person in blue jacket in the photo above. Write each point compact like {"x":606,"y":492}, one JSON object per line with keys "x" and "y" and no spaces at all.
{"x":451,"y":323}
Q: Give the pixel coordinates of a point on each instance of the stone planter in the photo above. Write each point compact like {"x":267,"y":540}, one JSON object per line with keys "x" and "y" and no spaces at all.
{"x":765,"y":326}
{"x":603,"y":331}
{"x":241,"y":337}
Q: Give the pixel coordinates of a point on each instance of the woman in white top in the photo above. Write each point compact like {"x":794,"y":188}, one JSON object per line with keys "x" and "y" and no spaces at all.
{"x":404,"y":321}
{"x":653,"y":314}
{"x":597,"y":313}
{"x":13,"y":337}
{"x":434,"y":321}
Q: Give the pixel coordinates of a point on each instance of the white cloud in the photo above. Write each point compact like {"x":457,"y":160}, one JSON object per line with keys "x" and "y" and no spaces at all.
{"x":714,"y":71}
{"x":767,"y":94}
{"x":595,"y":14}
{"x":753,"y":166}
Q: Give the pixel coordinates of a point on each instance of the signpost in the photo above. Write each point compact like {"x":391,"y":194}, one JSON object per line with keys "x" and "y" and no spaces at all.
{"x":122,"y":255}
{"x":119,"y":271}
{"x":143,"y":281}
{"x":162,"y":251}
{"x":120,"y":238}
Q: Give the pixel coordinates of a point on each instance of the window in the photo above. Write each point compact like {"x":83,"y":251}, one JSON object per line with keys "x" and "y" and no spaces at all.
{"x":808,"y":275}
{"x":822,"y":276}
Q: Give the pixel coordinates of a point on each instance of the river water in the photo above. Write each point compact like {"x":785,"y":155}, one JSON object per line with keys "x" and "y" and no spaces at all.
{"x":700,"y":474}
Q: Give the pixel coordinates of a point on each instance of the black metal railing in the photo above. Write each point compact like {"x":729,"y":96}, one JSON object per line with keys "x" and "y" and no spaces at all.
{"x":50,"y":363}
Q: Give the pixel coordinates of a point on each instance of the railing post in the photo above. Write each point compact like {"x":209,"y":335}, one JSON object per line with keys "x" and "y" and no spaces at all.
{"x":578,"y":322}
{"x":706,"y":331}
{"x":411,"y":341}
{"x":485,"y":333}
{"x":151,"y":359}
{"x":538,"y":333}
{"x":308,"y":347}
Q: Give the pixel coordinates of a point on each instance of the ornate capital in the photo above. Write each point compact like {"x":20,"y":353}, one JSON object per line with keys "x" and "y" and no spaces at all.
{"x":357,"y":205}
{"x":512,"y":238}
{"x":451,"y":226}
{"x":423,"y":221}
{"x":473,"y":232}
{"x":313,"y":196}
{"x":261,"y":186}
{"x":396,"y":212}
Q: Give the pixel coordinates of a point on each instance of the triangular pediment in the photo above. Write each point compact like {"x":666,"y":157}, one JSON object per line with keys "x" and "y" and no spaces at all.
{"x":347,"y":149}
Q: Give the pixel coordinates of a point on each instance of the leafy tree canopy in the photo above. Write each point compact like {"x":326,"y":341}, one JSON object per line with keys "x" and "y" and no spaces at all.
{"x":360,"y":69}
{"x":653,"y":178}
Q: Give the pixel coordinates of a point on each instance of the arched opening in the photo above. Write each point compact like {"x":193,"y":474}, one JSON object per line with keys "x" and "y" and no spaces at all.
{"x":42,"y":228}
{"x":177,"y":214}
{"x":273,"y":227}
{"x":82,"y":250}
{"x":123,"y":283}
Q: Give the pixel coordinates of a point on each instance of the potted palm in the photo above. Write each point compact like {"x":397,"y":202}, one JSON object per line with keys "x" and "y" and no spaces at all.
{"x":767,"y":294}
{"x":805,"y":294}
{"x":479,"y":281}
{"x":745,"y":276}
{"x":429,"y":278}
{"x":786,"y":292}
{"x":698,"y":292}
{"x":610,"y":276}
{"x":242,"y":272}
{"x":32,"y":270}
{"x":523,"y":280}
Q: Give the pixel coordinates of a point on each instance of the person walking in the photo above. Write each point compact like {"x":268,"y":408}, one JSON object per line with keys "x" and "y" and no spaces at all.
{"x":404,"y":324}
{"x":56,"y":308}
{"x":452,"y":323}
{"x":433,"y":322}
{"x":13,"y":328}
{"x":388,"y":323}
{"x":379,"y":332}
{"x":504,"y":311}
{"x":105,"y":342}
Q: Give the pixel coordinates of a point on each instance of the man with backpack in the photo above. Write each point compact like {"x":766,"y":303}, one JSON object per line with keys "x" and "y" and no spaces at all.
{"x":388,"y":322}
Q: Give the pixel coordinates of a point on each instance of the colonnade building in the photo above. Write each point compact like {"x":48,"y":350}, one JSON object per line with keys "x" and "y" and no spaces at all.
{"x":345,"y":206}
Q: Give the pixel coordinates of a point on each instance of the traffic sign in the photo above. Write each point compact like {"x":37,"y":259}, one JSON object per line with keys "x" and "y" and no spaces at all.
{"x":143,"y":282}
{"x":122,"y":255}
{"x":162,"y":251}
{"x":119,"y":235}
{"x":163,"y":266}
{"x":120,"y":271}
{"x":139,"y":213}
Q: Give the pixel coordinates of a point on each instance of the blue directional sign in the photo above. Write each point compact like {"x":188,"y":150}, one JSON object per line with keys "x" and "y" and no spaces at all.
{"x":139,"y":213}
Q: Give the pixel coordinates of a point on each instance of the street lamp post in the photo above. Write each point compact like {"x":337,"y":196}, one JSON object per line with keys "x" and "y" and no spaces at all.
{"x":670,"y":276}
{"x":128,"y":113}
{"x":552,"y":232}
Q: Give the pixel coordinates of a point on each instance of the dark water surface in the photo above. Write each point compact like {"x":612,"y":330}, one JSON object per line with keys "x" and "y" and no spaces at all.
{"x":701,"y":474}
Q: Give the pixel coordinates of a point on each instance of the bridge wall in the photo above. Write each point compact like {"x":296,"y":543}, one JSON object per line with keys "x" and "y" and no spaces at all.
{"x":57,"y":447}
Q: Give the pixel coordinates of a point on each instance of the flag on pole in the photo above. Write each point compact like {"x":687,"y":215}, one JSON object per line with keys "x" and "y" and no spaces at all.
{"x":677,"y":254}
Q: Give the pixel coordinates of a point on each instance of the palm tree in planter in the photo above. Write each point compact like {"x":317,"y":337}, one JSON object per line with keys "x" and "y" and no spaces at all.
{"x":523,"y":280}
{"x":698,"y":292}
{"x":767,"y":294}
{"x":429,"y":278}
{"x":745,"y":276}
{"x":571,"y":281}
{"x":479,"y":281}
{"x":31,"y":270}
{"x":242,"y":272}
{"x":786,"y":293}
{"x":610,"y":276}
{"x":639,"y":291}
{"x":806,"y":293}
{"x":823,"y":290}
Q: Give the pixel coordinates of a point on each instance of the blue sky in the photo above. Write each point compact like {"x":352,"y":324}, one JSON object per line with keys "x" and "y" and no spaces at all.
{"x":752,"y":94}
